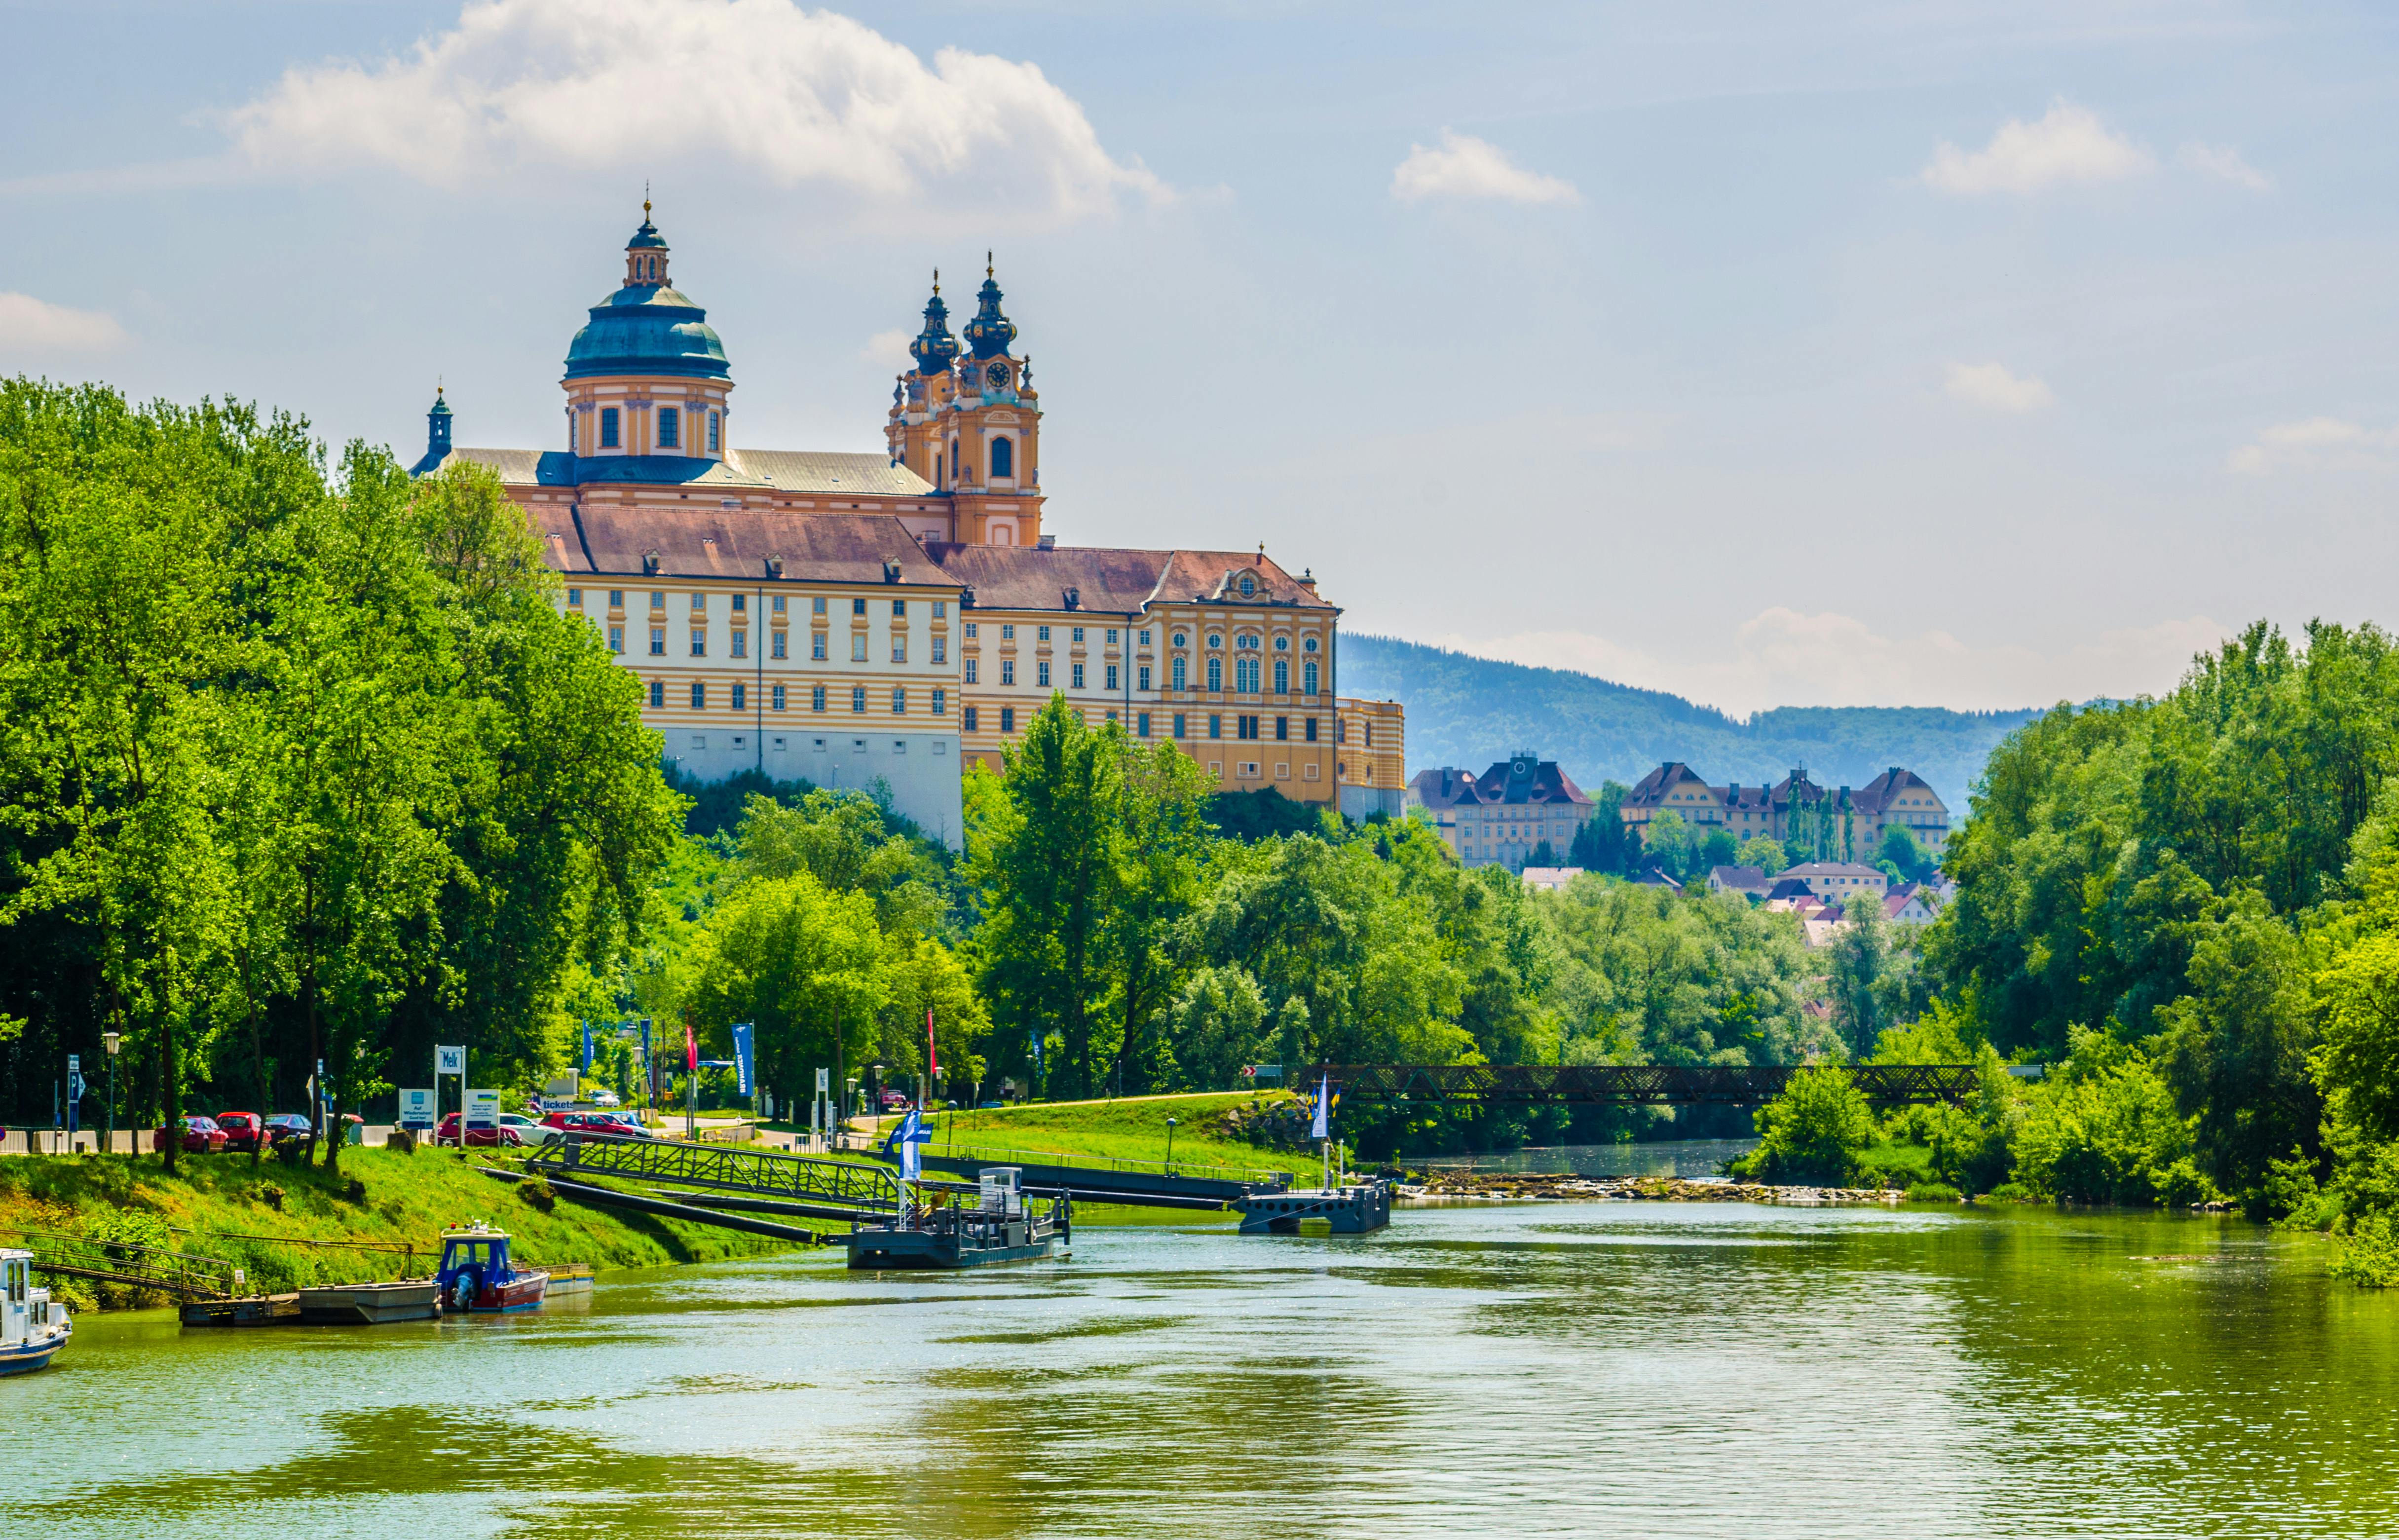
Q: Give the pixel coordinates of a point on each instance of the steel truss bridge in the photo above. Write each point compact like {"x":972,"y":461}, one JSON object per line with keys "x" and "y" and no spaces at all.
{"x":830,"y":1188}
{"x":1628,"y":1085}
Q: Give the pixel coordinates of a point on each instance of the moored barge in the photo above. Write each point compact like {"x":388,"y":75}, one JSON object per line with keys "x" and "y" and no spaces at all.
{"x":951,"y":1226}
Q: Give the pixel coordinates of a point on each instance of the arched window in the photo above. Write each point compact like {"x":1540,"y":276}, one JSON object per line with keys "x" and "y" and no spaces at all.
{"x":1283,"y":676}
{"x":1216,"y":673}
{"x":1308,"y":676}
{"x":1003,"y":457}
{"x":953,"y":462}
{"x":1181,"y":674}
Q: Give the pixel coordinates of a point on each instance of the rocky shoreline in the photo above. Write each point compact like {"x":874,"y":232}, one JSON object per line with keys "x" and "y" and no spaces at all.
{"x":1505,"y":1186}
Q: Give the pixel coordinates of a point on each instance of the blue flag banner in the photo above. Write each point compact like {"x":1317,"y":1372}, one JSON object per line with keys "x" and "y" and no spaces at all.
{"x":903,"y":1142}
{"x":745,"y":1036}
{"x":1322,"y":1128}
{"x":585,"y":1065}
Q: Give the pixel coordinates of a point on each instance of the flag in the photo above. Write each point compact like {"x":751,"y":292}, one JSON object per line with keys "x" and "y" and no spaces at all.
{"x":690,"y":1049}
{"x":744,"y":1053}
{"x":586,"y":1047}
{"x":903,"y":1142}
{"x":1323,"y":1111}
{"x":932,"y":1057}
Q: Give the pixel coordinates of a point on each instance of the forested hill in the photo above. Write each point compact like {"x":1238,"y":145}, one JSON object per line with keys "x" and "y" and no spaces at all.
{"x":1469,"y":711}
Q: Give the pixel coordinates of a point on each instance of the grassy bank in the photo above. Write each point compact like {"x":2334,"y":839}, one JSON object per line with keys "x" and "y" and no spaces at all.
{"x":218,"y":1205}
{"x":1127,"y":1129}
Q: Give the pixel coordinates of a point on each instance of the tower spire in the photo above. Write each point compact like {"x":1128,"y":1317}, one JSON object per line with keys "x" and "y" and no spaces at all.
{"x":935,"y":350}
{"x":990,"y":332}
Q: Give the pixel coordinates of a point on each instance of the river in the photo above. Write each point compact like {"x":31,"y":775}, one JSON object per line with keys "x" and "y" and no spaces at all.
{"x":1694,"y":1370}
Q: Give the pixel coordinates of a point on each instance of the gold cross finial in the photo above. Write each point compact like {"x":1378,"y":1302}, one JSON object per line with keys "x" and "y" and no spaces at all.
{"x":645,"y":200}
{"x":937,"y":283}
{"x":986,"y":264}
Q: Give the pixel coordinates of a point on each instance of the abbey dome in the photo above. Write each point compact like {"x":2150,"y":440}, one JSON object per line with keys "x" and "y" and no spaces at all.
{"x":647,"y":327}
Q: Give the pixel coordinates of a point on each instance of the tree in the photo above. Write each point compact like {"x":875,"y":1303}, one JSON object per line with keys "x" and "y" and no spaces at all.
{"x":1601,"y":842}
{"x":1764,"y":852}
{"x":1902,"y":855}
{"x":1716,"y":849}
{"x":1160,"y":876}
{"x":807,"y":967}
{"x":1813,"y":1132}
{"x":1671,"y":846}
{"x":2236,"y":1048}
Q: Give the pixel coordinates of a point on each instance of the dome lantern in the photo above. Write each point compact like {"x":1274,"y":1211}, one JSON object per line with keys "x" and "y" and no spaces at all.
{"x":935,"y":350}
{"x":989,"y":332}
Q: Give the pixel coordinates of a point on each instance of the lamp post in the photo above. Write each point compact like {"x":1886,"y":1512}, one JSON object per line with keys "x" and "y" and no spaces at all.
{"x":109,"y":1040}
{"x":1170,"y":1146}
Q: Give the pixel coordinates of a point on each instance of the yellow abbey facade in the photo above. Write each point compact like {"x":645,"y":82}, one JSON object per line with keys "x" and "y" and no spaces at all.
{"x":895,"y":618}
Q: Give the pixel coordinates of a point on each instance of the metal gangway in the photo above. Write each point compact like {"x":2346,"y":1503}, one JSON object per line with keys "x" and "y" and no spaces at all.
{"x":183,"y":1274}
{"x":801,"y":1184}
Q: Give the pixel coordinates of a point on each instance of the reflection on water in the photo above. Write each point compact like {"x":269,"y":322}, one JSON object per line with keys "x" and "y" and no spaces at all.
{"x":1705,"y":1369}
{"x":1686,"y":1157}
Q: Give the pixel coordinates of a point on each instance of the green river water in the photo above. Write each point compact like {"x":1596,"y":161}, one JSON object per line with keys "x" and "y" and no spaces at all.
{"x":1618,"y":1368}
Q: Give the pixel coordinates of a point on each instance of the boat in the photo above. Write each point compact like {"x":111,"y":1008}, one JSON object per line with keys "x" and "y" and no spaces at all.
{"x":33,"y":1326}
{"x":1002,"y":1224}
{"x":572,"y":1277}
{"x":477,"y":1276}
{"x":371,"y":1303}
{"x":1355,"y":1209}
{"x":249,"y":1310}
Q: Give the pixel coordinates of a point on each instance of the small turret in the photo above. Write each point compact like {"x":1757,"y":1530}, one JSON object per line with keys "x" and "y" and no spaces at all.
{"x":437,"y":435}
{"x":645,"y":255}
{"x":990,"y":332}
{"x":935,"y":350}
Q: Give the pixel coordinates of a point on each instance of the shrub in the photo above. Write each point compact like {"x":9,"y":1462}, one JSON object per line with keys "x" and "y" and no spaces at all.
{"x":2368,"y":1255}
{"x":2106,"y":1129}
{"x":1813,"y":1132}
{"x":1933,"y":1192}
{"x":2010,"y":1192}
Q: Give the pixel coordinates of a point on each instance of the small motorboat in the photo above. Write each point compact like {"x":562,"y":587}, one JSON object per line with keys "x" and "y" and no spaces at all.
{"x":478,"y":1276}
{"x":33,"y":1326}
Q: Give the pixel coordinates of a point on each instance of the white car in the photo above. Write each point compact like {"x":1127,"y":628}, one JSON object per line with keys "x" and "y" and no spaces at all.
{"x":604,"y":1099}
{"x":526,"y":1129}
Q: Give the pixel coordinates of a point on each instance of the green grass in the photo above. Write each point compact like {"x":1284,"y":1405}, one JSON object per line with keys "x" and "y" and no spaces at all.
{"x":1126,"y":1128}
{"x":1895,"y":1165}
{"x":214,"y":1200}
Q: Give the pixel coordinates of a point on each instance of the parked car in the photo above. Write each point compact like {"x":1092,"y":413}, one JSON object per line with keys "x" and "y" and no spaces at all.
{"x":503,"y":1135}
{"x":605,"y":1097}
{"x":288,"y":1128}
{"x":526,"y":1129}
{"x":200,"y":1136}
{"x":615,"y":1124}
{"x":895,"y":1102}
{"x":243,"y":1130}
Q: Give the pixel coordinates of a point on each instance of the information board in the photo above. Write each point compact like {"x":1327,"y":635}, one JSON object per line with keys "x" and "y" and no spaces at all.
{"x":415,"y":1108}
{"x":482,"y":1109}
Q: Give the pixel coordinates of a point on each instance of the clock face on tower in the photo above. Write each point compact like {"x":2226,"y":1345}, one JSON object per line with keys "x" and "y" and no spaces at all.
{"x":996,"y":376}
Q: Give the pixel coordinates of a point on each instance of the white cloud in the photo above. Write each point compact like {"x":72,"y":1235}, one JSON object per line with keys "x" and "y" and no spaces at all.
{"x":1468,"y":168}
{"x":2222,"y":161}
{"x":1782,"y":657}
{"x":2068,"y":145}
{"x":2317,"y":443}
{"x":1992,"y":386}
{"x":29,"y":326}
{"x":889,"y":347}
{"x":520,"y":88}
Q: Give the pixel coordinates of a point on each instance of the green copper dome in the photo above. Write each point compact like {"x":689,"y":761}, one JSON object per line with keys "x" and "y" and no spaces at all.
{"x":647,"y":327}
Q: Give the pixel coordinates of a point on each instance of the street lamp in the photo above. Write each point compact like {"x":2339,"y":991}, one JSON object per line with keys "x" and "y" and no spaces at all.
{"x":109,"y":1040}
{"x":1170,"y":1146}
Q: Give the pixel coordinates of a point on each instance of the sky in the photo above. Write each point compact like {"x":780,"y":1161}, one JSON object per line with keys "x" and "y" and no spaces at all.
{"x":1949,"y":354}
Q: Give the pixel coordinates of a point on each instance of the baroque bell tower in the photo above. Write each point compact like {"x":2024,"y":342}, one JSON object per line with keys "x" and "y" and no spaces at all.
{"x":971,"y":425}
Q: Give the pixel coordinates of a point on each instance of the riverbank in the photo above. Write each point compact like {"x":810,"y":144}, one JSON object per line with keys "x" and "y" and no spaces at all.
{"x":1207,"y":1131}
{"x":1560,"y":1186}
{"x":290,"y":1226}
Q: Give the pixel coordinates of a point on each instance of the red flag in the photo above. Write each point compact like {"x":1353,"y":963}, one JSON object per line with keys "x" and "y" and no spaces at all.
{"x":932,"y":1059}
{"x":690,"y":1049}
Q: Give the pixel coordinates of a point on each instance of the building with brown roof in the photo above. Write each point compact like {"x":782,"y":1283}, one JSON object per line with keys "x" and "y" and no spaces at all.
{"x":1845,"y":823}
{"x":1503,"y":815}
{"x":849,"y":618}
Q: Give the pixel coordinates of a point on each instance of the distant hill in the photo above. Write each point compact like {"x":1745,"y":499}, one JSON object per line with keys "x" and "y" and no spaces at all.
{"x":1469,"y":711}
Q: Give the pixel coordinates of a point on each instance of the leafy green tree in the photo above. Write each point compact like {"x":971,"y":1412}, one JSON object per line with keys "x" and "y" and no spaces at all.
{"x":807,"y":967}
{"x":1671,"y":846}
{"x":1764,"y":852}
{"x":2236,"y":1048}
{"x":1902,"y":855}
{"x":1219,"y":1024}
{"x":1813,"y":1133}
{"x":2103,"y":1129}
{"x":1716,"y":849}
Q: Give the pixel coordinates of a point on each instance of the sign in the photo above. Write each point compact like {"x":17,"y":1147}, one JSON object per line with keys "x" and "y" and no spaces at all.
{"x":1262,"y":1072}
{"x":449,"y":1060}
{"x":483,"y":1109}
{"x":585,"y":1065}
{"x":744,"y":1035}
{"x":415,"y":1108}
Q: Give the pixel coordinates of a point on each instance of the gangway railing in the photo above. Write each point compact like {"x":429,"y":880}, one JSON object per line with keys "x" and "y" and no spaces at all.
{"x":1633,"y":1084}
{"x":155,"y":1268}
{"x":733,"y":1169}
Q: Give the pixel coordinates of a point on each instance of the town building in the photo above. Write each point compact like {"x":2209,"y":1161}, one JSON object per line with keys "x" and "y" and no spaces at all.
{"x":897,"y":617}
{"x":1844,"y":821}
{"x":1503,"y":815}
{"x":1370,"y":756}
{"x":1833,"y":883}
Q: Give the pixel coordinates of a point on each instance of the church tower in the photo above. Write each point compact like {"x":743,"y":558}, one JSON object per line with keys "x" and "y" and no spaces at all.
{"x":970,"y":424}
{"x":437,"y":436}
{"x":646,"y":376}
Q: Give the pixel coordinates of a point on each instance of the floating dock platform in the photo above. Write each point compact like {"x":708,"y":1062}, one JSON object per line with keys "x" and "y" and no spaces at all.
{"x":1000,"y":1226}
{"x":371,"y":1303}
{"x":256,"y":1310}
{"x":1343,"y":1210}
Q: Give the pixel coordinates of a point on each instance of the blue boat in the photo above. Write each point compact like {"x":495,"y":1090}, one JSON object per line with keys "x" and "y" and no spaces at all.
{"x":477,"y":1276}
{"x":33,"y":1326}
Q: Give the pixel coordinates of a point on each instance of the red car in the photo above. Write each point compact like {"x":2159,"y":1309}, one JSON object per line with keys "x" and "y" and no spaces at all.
{"x":201,"y":1136}
{"x":610,"y":1124}
{"x":448,"y":1134}
{"x":243,"y":1130}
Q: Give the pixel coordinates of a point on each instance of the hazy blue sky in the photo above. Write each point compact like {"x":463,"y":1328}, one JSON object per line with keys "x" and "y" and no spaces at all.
{"x":1962,"y":353}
